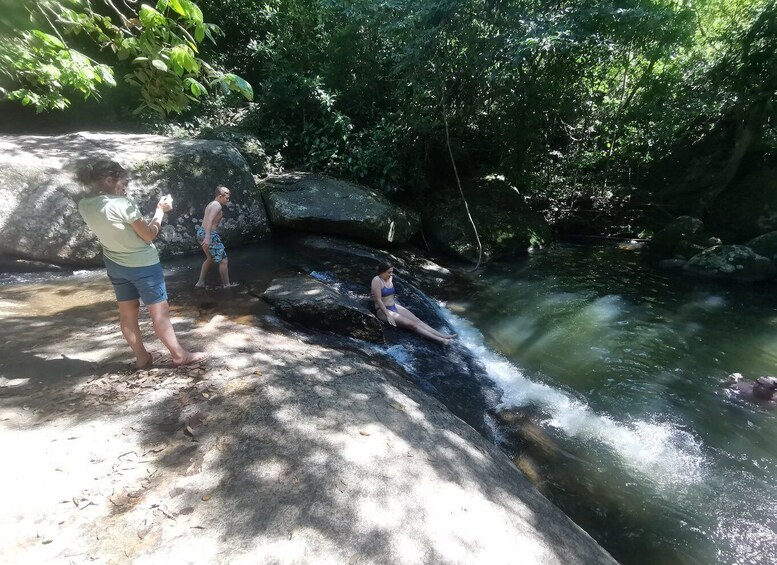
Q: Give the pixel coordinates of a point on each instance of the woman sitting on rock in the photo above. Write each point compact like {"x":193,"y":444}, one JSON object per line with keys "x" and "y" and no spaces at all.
{"x":131,"y":258}
{"x":389,"y":310}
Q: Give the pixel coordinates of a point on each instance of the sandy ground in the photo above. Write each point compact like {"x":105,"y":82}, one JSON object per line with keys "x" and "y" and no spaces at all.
{"x":283,"y":448}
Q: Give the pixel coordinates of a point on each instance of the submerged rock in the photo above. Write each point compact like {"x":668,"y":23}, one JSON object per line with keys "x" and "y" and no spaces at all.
{"x":39,"y":194}
{"x":733,"y":262}
{"x":322,"y":204}
{"x":304,"y":300}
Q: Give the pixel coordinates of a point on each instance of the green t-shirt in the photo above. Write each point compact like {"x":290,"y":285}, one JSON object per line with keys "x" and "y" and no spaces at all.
{"x":109,"y":217}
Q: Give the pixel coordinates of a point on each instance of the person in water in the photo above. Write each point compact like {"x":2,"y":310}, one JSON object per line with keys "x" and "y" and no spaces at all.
{"x":390,"y":311}
{"x":131,"y":258}
{"x":762,"y":391}
{"x":208,"y":236}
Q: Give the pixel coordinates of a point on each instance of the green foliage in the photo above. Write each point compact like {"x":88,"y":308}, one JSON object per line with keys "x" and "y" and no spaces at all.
{"x":158,"y":45}
{"x":574,"y":102}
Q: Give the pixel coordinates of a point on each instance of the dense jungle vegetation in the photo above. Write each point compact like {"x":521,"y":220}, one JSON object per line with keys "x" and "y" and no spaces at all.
{"x":629,"y":111}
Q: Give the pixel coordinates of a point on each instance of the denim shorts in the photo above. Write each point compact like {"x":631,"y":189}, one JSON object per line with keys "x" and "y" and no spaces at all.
{"x":131,"y":283}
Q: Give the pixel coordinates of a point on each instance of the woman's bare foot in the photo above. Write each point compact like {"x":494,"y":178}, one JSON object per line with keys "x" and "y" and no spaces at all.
{"x":190,"y":358}
{"x":154,"y":358}
{"x":199,"y":285}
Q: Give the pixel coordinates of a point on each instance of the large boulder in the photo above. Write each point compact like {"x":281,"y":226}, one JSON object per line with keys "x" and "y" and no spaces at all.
{"x":506,"y":225}
{"x":682,"y":238}
{"x":302,"y":299}
{"x":39,"y":193}
{"x":765,"y":245}
{"x":733,"y":262}
{"x":250,"y":147}
{"x":326,"y":205}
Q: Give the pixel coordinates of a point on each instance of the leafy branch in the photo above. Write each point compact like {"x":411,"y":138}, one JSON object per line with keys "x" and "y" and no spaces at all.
{"x":160,"y":43}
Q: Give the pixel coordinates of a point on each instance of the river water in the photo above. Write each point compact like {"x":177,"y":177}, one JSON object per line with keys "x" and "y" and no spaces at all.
{"x":615,"y":367}
{"x":621,"y":365}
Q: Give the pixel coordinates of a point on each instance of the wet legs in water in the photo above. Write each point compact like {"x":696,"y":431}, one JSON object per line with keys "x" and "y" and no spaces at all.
{"x":207,"y":264}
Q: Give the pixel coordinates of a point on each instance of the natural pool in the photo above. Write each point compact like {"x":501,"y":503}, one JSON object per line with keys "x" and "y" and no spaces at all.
{"x":621,"y":365}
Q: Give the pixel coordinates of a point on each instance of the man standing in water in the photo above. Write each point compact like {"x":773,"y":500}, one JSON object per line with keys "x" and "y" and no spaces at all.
{"x":208,"y":236}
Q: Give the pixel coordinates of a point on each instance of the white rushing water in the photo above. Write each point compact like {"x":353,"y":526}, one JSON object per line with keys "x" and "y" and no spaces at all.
{"x":659,"y":451}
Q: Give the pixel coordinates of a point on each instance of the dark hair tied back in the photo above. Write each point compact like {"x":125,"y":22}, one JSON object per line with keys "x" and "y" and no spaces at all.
{"x":383,"y":267}
{"x":89,"y":173}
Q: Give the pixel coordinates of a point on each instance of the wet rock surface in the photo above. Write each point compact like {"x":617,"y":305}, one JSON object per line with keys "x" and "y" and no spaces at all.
{"x":321,"y":204}
{"x":304,"y":300}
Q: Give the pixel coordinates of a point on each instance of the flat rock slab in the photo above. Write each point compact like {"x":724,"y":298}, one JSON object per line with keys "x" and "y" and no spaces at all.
{"x":278,"y":450}
{"x":323,"y":204}
{"x":304,"y":300}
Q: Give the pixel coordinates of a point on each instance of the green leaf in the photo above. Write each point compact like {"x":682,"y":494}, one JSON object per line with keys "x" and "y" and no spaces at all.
{"x":149,"y":17}
{"x":239,"y":84}
{"x":48,"y":39}
{"x":159,"y":65}
{"x":177,"y":7}
{"x":195,"y":87}
{"x":199,"y":33}
{"x":107,"y":75}
{"x":193,"y":11}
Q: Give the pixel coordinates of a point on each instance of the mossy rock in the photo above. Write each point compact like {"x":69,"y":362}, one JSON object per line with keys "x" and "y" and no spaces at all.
{"x":249,"y":146}
{"x":732,"y":262}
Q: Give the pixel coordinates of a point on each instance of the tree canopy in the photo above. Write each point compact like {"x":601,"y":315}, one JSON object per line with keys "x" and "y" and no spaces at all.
{"x":52,"y":49}
{"x":573,"y":103}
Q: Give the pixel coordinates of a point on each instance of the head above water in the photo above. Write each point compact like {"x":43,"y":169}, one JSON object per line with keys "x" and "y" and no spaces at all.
{"x":103,"y":176}
{"x":384,"y":267}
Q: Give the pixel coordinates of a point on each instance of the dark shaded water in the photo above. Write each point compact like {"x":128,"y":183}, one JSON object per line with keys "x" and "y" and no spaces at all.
{"x":615,"y":370}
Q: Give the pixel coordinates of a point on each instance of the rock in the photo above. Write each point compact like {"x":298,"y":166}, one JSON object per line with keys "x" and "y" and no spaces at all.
{"x":358,"y":263}
{"x":249,"y":146}
{"x":765,"y":245}
{"x":506,"y":225}
{"x":322,"y":204}
{"x":734,"y":262}
{"x":682,"y":238}
{"x":304,"y":300}
{"x":685,"y":249}
{"x":39,"y":193}
{"x":11,"y":265}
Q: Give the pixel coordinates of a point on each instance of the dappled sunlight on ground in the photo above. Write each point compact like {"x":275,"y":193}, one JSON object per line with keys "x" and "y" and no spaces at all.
{"x":281,"y":447}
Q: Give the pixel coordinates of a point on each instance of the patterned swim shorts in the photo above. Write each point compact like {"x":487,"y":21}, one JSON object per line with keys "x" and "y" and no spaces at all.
{"x":216,"y":249}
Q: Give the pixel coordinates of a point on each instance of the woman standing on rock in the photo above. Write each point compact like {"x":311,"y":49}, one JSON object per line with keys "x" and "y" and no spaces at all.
{"x":131,"y":258}
{"x":388,"y":309}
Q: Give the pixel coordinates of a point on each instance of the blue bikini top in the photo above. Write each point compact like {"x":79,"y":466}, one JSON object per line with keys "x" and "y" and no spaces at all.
{"x":387,"y":291}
